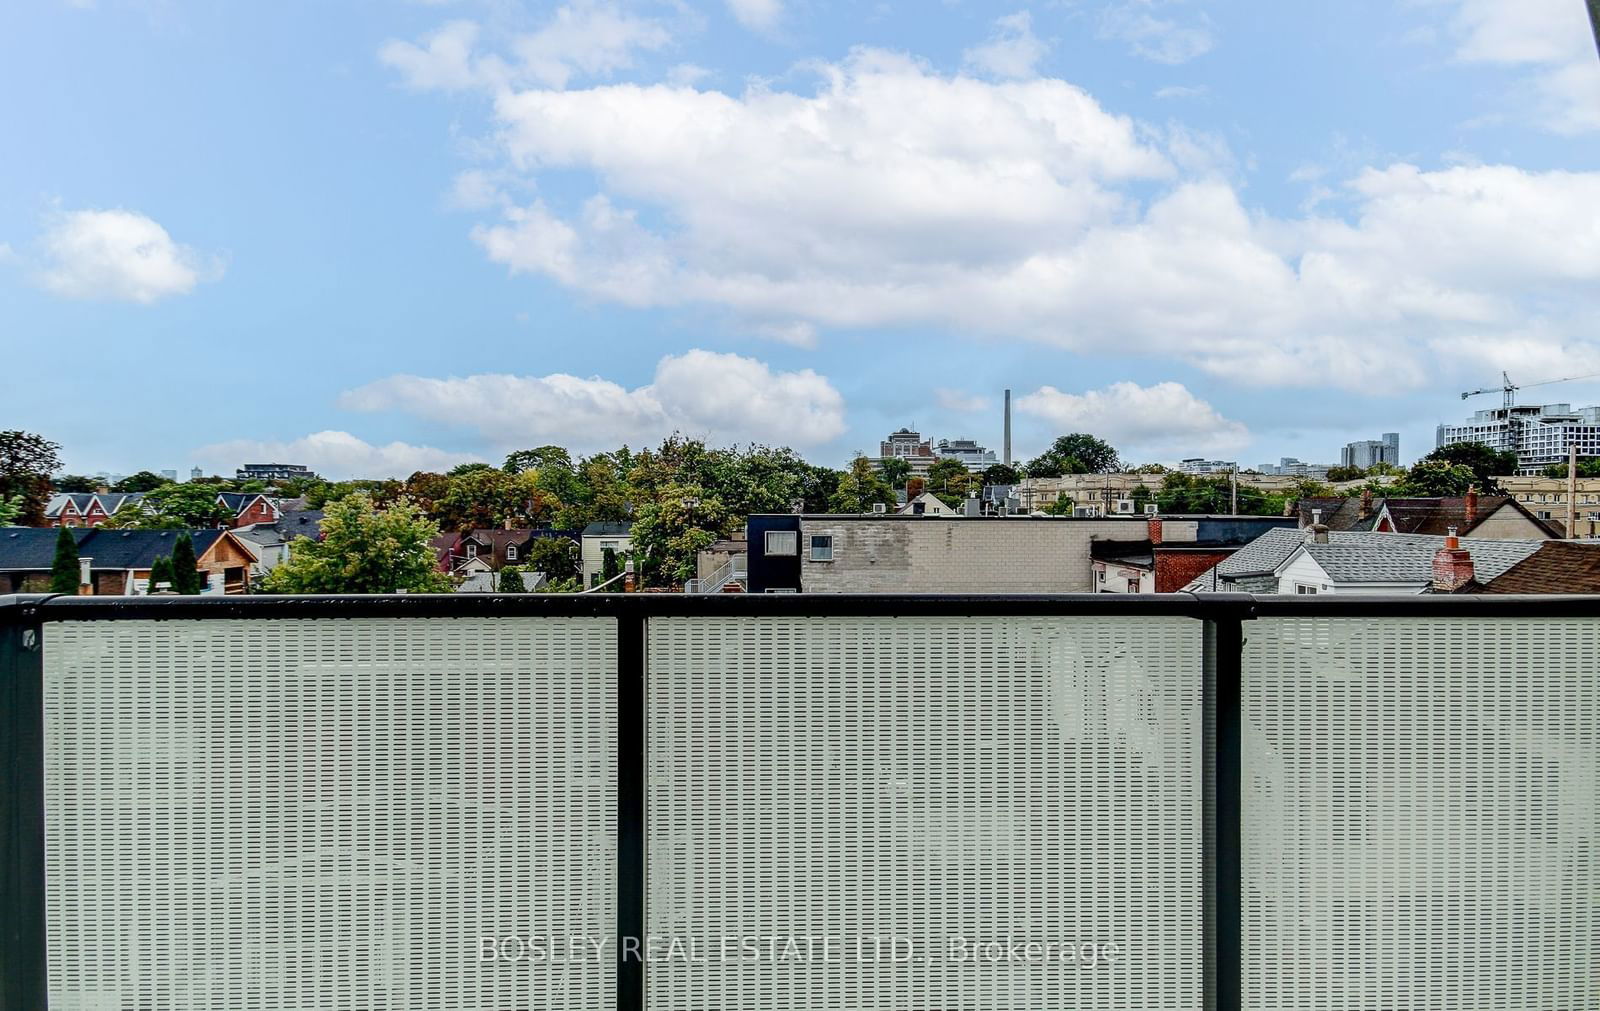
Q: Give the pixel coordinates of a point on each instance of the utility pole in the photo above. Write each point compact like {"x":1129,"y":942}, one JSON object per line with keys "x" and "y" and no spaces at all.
{"x":1572,"y":476}
{"x":1233,"y":498}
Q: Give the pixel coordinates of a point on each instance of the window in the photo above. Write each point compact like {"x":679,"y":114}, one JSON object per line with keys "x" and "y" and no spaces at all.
{"x":783,"y":542}
{"x":1543,"y":514}
{"x":1304,"y":590}
{"x":472,"y":551}
{"x":782,"y":589}
{"x":1100,"y":574}
{"x":1133,"y":586}
{"x":511,"y":552}
{"x":822,"y":547}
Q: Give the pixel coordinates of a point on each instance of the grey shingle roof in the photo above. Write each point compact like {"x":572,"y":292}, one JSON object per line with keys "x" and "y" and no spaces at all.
{"x":1352,"y":556}
{"x":606,"y":529}
{"x":1264,"y":554}
{"x":34,"y":549}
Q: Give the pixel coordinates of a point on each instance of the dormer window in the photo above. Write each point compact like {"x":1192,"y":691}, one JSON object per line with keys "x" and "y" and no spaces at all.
{"x":511,"y":552}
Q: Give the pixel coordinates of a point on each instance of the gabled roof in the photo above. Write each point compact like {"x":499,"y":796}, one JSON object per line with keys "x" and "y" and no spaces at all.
{"x":1359,"y":556}
{"x":1264,"y":554}
{"x":109,"y":501}
{"x":607,"y":529}
{"x":1338,"y":512}
{"x":1431,"y":516}
{"x":1557,"y":567}
{"x":238,"y":501}
{"x":30,"y":549}
{"x":33,"y":548}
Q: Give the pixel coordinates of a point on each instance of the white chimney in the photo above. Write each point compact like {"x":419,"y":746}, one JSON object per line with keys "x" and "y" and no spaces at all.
{"x":84,"y":577}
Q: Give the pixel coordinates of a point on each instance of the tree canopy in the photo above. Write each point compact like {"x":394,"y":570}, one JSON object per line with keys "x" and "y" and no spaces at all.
{"x":64,"y":568}
{"x":26,"y":463}
{"x":363,"y":549}
{"x":1485,"y":463}
{"x":1078,"y":453}
{"x":173,"y":507}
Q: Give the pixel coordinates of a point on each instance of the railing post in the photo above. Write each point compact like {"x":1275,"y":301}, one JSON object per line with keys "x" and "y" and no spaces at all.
{"x":630,"y":809}
{"x":1221,"y":804}
{"x":23,"y":970}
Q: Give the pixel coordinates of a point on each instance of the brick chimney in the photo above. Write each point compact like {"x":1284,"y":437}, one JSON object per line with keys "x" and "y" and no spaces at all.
{"x":1366,"y":502}
{"x":1155,"y":530}
{"x":627,"y":576}
{"x":1452,"y":566}
{"x":1472,"y":506}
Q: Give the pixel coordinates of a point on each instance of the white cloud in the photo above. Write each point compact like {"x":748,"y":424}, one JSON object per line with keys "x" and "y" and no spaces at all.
{"x":1013,"y":51}
{"x":957,"y":400}
{"x":894,"y":196}
{"x":721,"y":397}
{"x":118,"y":255}
{"x":757,"y":15}
{"x":1161,"y":39}
{"x":1164,"y":419}
{"x":1550,"y":38}
{"x":334,"y":454}
{"x":588,"y":38}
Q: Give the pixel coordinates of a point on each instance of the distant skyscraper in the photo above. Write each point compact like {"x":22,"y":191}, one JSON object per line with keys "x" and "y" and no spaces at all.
{"x":1368,"y":452}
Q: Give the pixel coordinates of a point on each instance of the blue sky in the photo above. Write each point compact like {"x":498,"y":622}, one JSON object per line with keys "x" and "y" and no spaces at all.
{"x":376,"y":236}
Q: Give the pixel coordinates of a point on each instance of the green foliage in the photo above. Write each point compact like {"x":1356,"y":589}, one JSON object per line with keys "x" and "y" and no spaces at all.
{"x":382,"y":493}
{"x":64,"y":568}
{"x":173,"y":507}
{"x":669,"y":533}
{"x":1078,"y":453}
{"x":1430,"y":478}
{"x":162,"y":571}
{"x":951,"y":481}
{"x":860,"y":488}
{"x":1485,"y":463}
{"x":510,"y":580}
{"x":74,"y":484}
{"x":894,"y":471}
{"x":10,"y":510}
{"x":363,"y":550}
{"x":487,"y":498}
{"x":1148,"y":468}
{"x":143,"y":481}
{"x":610,"y":565}
{"x":1188,"y":493}
{"x":999,"y":473}
{"x":467,"y":468}
{"x":556,"y":557}
{"x":185,"y":576}
{"x":26,"y":463}
{"x":1588,"y":467}
{"x":545,"y":457}
{"x":1341,"y":474}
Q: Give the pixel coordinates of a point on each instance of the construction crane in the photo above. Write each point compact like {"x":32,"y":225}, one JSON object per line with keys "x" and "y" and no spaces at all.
{"x":1509,"y":389}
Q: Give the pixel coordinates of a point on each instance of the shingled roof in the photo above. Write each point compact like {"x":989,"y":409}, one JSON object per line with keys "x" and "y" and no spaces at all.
{"x":1354,"y":556}
{"x":33,"y":549}
{"x":1557,"y":567}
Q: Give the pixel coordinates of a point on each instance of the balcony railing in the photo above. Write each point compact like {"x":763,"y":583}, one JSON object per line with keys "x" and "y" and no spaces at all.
{"x":817,"y":802}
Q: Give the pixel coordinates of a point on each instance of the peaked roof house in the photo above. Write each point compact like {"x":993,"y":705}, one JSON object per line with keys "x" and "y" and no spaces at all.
{"x":271,"y":541}
{"x":1499,"y":517}
{"x":87,"y":509}
{"x":248,"y":508}
{"x":595,"y":540}
{"x":1351,"y":561}
{"x":119,"y":561}
{"x":1557,"y":567}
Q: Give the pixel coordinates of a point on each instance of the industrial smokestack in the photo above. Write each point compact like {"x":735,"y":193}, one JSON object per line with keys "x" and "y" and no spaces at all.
{"x":1007,"y":460}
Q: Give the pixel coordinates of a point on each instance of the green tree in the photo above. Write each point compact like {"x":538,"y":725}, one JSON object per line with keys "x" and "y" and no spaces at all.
{"x":1342,"y":474}
{"x":466,"y":468}
{"x":75,"y":484}
{"x":1078,"y":453}
{"x":162,"y":571}
{"x":1588,"y":467}
{"x":363,"y":549}
{"x":610,"y":568}
{"x":1485,"y":463}
{"x":538,"y":459}
{"x":668,"y":534}
{"x":174,"y":507}
{"x":185,"y":573}
{"x":895,"y":470}
{"x":10,"y":509}
{"x":26,"y":463}
{"x":1437,"y":478}
{"x":489,"y":498}
{"x":860,"y":488}
{"x":64,"y":569}
{"x":999,"y":473}
{"x":143,"y":481}
{"x":556,"y":557}
{"x":510,"y":580}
